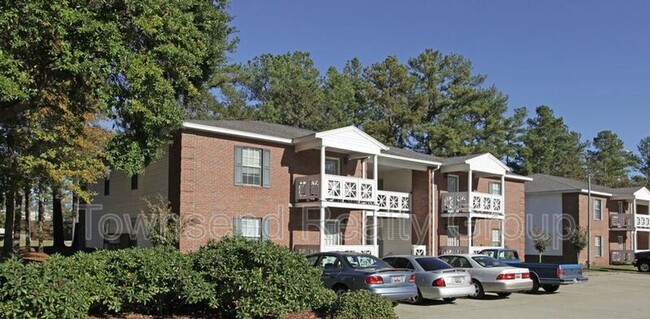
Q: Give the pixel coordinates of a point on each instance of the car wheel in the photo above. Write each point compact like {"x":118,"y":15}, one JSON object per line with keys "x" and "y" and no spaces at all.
{"x":478,"y":289}
{"x":551,"y":288}
{"x":504,"y":294}
{"x":340,"y":289}
{"x":644,"y":266}
{"x":449,"y":299}
{"x":417,"y":299}
{"x":535,"y":285}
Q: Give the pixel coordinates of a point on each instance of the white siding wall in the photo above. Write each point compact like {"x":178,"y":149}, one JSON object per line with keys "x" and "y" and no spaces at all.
{"x":397,"y":180}
{"x":544,"y":211}
{"x":127,"y":203}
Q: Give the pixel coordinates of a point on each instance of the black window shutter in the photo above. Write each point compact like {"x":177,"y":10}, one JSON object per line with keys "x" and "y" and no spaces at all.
{"x":238,"y":166}
{"x":266,"y":171}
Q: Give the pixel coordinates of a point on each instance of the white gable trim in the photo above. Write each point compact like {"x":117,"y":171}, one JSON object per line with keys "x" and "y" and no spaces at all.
{"x":593,"y":192}
{"x":487,"y":156}
{"x":354,"y":129}
{"x":408,"y":159}
{"x":519,"y":178}
{"x":642,"y":194}
{"x":231,"y":132}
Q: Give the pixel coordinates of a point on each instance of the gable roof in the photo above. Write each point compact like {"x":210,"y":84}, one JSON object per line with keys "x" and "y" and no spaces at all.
{"x":484,"y":162}
{"x":257,"y":127}
{"x":402,"y":152}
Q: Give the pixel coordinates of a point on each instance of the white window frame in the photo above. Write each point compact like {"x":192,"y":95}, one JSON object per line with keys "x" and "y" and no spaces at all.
{"x":490,"y":184}
{"x":449,"y":177}
{"x":453,"y":241}
{"x":497,"y":232}
{"x":598,"y":216}
{"x":621,"y":207}
{"x":333,"y":224}
{"x":245,"y":223}
{"x":598,"y":244}
{"x":248,"y":166}
{"x":338,"y":165}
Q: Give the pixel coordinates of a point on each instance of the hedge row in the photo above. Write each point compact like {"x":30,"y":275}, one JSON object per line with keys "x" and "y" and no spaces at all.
{"x":233,"y":278}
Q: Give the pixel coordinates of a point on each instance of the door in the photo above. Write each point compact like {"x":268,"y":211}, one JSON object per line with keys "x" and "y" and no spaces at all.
{"x":331,"y":266}
{"x":453,"y":238}
{"x":332,"y":233}
{"x":452,"y":183}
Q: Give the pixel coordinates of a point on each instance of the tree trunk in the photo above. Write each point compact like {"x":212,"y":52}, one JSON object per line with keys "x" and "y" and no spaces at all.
{"x":75,"y":222}
{"x":18,"y":214}
{"x":540,"y":258}
{"x":57,"y":220}
{"x":9,"y":224}
{"x":28,"y":238}
{"x":41,"y":220}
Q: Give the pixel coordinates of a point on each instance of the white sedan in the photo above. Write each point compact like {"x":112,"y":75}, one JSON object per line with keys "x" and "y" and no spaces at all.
{"x":490,"y":275}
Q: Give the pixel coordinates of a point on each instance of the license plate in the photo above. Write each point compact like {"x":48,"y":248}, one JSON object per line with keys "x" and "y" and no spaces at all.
{"x":518,"y":276}
{"x":458,"y":280}
{"x":397,"y":279}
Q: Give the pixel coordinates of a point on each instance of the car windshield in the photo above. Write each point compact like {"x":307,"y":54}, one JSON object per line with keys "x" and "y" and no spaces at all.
{"x":365,"y":261}
{"x":432,"y":263}
{"x":487,"y":262}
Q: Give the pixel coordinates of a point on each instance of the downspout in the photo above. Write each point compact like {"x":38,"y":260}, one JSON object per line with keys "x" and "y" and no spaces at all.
{"x":433,"y":210}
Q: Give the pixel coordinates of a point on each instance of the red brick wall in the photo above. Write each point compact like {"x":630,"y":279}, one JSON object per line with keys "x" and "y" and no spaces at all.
{"x":209,"y":195}
{"x":576,"y":206}
{"x":421,"y":207}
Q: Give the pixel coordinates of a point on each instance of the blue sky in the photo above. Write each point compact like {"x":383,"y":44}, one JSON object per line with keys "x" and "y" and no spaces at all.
{"x":588,"y":60}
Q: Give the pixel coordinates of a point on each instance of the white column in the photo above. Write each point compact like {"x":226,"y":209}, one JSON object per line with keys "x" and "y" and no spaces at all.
{"x":322,"y":228}
{"x":469,"y":191}
{"x":434,"y":216}
{"x":323,"y":187}
{"x":364,"y":214}
{"x":634,"y":232}
{"x":375,"y":176}
{"x":503,"y":195}
{"x":374,"y":232}
{"x":469,"y":235}
{"x":503,"y":232}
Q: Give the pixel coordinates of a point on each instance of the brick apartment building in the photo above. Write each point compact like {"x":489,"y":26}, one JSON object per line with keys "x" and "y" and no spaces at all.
{"x":619,"y":219}
{"x":314,"y":191}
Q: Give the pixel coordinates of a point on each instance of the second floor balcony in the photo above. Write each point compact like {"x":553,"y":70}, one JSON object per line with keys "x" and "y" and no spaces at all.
{"x":629,"y":221}
{"x":353,"y":190}
{"x":472,"y":202}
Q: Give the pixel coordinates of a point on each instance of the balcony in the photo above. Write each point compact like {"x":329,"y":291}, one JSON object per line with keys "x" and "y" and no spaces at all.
{"x":472,"y":202}
{"x":364,"y":249}
{"x":623,"y":221}
{"x":621,"y":256}
{"x":354,"y":190}
{"x":642,"y":221}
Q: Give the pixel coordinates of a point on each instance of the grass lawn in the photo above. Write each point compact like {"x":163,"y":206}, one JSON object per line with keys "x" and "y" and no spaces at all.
{"x":614,"y":268}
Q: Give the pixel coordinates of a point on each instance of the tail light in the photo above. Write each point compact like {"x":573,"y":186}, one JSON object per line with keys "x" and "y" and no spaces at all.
{"x":525,"y":275}
{"x":560,"y":272}
{"x":412,"y":278}
{"x":506,"y":276}
{"x":374,"y":280}
{"x":439,"y":283}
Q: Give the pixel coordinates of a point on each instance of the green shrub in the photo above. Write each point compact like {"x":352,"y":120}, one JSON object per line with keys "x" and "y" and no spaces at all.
{"x":59,"y":288}
{"x":362,"y":304}
{"x":156,"y":280}
{"x":259,"y":279}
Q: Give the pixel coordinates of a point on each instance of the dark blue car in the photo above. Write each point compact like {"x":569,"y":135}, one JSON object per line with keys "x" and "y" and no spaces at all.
{"x":343,"y":271}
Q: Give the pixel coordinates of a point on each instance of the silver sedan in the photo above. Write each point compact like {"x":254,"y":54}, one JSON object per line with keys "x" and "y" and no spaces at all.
{"x":435,"y":278}
{"x":490,"y":275}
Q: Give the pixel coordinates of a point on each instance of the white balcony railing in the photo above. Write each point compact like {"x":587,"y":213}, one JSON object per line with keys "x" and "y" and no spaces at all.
{"x":621,"y":221}
{"x":642,"y":221}
{"x":364,"y":249}
{"x":339,"y":188}
{"x":621,"y":256}
{"x":472,"y":202}
{"x":453,"y":250}
{"x":394,"y":201}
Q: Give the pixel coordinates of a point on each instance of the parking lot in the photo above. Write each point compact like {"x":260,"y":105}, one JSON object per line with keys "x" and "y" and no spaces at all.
{"x":606,"y":295}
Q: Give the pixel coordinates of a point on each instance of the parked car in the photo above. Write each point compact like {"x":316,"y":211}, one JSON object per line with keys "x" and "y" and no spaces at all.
{"x":434,"y":278}
{"x":491,"y":275}
{"x":642,"y":261}
{"x":549,"y":276}
{"x":343,"y":271}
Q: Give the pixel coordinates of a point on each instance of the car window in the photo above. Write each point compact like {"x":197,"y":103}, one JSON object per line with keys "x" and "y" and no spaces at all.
{"x":312,"y":259}
{"x":487,"y":253}
{"x":402,"y":263}
{"x":487,"y":262}
{"x":432,"y":263}
{"x":508,"y":255}
{"x":389,"y":260}
{"x":365,"y":261}
{"x":464,"y":263}
{"x":329,"y":262}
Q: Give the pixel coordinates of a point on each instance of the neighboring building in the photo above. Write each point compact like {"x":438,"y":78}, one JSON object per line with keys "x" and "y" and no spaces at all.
{"x":314,"y":191}
{"x":620,"y":222}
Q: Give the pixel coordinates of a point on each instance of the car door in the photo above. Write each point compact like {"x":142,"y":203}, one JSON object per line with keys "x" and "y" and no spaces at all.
{"x":332,"y":267}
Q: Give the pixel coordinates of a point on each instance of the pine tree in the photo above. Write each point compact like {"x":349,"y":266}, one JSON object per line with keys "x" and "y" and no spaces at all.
{"x":644,"y":160}
{"x":609,"y":162}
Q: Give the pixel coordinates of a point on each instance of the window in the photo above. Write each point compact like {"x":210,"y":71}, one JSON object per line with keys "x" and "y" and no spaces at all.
{"x":332,"y":166}
{"x":330,"y":263}
{"x":496,"y":237}
{"x":107,"y":187}
{"x":599,"y":246}
{"x":452,"y":183}
{"x":598,"y":209}
{"x":252,"y":166}
{"x":252,"y":228}
{"x":495,"y":188}
{"x":453,"y":235}
{"x":134,"y":181}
